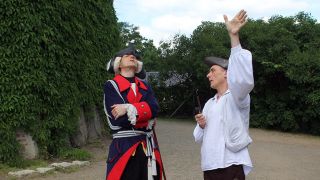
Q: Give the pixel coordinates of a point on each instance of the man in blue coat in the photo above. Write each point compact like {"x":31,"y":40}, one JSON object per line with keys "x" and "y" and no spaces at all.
{"x":131,"y":107}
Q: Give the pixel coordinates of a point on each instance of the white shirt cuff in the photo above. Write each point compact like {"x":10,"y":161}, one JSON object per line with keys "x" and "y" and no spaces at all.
{"x":132,"y":113}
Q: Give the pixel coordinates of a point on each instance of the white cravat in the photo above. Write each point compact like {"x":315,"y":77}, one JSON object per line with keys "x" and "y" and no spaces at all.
{"x":133,"y":87}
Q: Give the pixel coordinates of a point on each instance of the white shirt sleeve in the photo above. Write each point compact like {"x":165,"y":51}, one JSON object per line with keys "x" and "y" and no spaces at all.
{"x":240,"y":75}
{"x":198,"y":131}
{"x":198,"y":134}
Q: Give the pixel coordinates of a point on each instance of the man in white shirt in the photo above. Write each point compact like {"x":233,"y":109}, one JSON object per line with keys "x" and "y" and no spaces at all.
{"x":222,"y":128}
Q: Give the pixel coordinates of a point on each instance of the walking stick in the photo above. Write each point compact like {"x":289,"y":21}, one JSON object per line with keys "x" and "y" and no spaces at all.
{"x":198,"y":108}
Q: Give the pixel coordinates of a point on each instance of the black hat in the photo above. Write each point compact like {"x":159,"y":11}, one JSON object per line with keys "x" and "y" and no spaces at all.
{"x":211,"y":60}
{"x":128,"y":51}
{"x":113,"y":64}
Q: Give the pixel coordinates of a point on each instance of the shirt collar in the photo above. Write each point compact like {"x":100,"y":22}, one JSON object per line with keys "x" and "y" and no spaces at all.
{"x":215,"y":96}
{"x":124,"y":84}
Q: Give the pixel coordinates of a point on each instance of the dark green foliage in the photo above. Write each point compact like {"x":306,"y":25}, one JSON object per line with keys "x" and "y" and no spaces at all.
{"x":53,"y":55}
{"x":287,"y":68}
{"x":184,"y":61}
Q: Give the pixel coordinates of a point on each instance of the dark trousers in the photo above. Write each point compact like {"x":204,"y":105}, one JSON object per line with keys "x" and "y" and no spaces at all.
{"x":136,"y":168}
{"x":234,"y":172}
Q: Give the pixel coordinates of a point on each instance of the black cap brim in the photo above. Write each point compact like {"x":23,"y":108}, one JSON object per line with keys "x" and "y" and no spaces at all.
{"x":128,"y":51}
{"x":211,"y":60}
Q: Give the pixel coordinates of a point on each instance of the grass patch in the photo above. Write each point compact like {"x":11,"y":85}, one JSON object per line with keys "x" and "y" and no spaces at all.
{"x":74,"y":154}
{"x":22,"y":164}
{"x":33,"y":164}
{"x":4,"y":169}
{"x":64,"y":153}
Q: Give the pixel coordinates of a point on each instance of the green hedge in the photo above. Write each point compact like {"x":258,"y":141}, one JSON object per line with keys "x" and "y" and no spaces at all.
{"x":53,"y":55}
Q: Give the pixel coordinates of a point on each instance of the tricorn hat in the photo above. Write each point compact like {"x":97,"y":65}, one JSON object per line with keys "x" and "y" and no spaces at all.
{"x":211,"y":60}
{"x":129,"y":51}
{"x":114,"y":63}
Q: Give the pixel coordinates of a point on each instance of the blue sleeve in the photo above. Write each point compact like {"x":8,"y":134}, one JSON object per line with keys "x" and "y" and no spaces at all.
{"x":112,"y":97}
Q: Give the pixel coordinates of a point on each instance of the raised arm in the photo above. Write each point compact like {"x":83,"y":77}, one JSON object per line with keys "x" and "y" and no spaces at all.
{"x":240,"y":73}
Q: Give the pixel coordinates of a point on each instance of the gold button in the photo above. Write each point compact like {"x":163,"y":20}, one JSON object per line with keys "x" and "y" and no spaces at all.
{"x":142,"y":106}
{"x":144,"y":113}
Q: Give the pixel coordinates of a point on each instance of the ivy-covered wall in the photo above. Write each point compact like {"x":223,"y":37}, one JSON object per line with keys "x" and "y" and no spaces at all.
{"x":52,"y":62}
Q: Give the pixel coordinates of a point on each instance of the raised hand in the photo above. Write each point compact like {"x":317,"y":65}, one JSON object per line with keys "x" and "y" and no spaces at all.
{"x":236,"y":23}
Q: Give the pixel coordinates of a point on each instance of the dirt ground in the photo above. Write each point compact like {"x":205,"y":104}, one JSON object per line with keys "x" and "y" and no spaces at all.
{"x":275,"y":155}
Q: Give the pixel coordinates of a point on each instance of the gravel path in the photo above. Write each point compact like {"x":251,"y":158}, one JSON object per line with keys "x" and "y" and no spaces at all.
{"x":275,"y":155}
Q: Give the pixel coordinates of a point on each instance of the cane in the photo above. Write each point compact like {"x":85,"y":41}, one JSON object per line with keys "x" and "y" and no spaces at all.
{"x":156,"y":139}
{"x":198,"y":108}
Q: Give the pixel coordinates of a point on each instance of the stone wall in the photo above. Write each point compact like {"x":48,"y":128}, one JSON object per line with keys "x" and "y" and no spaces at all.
{"x":90,"y":127}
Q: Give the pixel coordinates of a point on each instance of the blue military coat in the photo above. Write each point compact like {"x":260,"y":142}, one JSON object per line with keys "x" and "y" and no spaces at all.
{"x":147,"y":107}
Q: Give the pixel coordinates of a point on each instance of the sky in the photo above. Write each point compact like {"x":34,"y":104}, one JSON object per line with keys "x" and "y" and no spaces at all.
{"x":160,"y":20}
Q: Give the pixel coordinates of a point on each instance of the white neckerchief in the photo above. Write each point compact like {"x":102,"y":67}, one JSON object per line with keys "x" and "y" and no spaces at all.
{"x":133,"y":86}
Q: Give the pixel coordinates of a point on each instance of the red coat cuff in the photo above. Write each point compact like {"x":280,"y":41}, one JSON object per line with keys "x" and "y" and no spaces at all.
{"x":144,"y":111}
